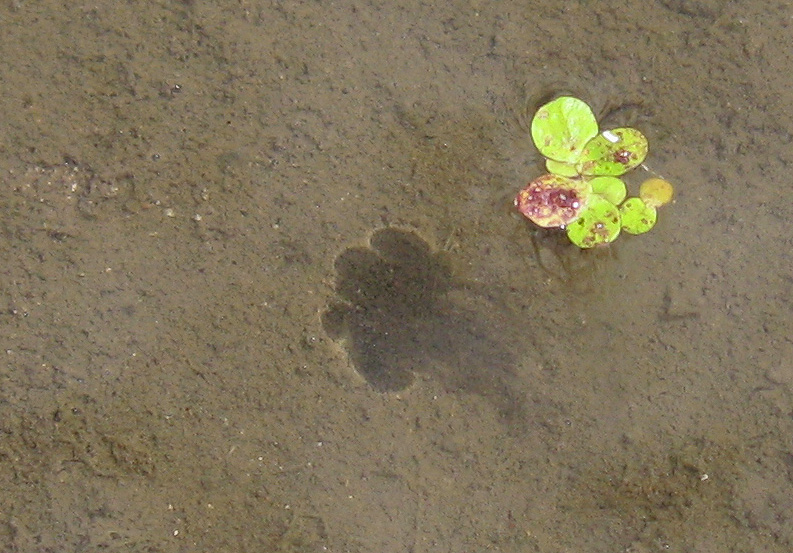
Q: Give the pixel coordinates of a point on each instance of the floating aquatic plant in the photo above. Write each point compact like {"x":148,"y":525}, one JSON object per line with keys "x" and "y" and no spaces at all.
{"x":582,"y":192}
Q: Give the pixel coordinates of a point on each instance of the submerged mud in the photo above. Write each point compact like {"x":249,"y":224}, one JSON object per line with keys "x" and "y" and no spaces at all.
{"x":264,"y":287}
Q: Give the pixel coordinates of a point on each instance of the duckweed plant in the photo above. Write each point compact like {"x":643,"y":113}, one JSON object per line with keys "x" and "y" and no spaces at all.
{"x":582,"y":192}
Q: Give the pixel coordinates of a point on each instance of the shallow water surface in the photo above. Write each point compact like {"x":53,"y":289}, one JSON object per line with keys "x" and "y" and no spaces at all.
{"x":265,"y":289}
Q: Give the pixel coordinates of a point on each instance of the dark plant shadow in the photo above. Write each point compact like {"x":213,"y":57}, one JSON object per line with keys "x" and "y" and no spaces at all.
{"x":399,"y":313}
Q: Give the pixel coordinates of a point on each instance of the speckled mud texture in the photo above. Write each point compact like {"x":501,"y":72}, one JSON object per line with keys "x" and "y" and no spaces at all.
{"x":263,"y":288}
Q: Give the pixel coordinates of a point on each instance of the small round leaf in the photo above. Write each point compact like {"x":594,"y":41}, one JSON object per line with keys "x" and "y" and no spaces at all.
{"x":553,"y":200}
{"x":637,"y":217}
{"x":613,"y":152}
{"x":656,"y":192}
{"x":562,"y":127}
{"x":598,"y":224}
{"x":611,"y":188}
{"x":561,"y":168}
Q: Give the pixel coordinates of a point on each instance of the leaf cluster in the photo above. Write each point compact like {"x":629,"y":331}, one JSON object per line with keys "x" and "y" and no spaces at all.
{"x":583,"y":192}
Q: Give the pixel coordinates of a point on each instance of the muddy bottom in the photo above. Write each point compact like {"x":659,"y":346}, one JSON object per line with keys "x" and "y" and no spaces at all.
{"x":264,"y":287}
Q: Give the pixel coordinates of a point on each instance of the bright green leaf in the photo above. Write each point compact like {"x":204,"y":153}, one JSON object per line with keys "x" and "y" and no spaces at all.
{"x":611,"y":188}
{"x":613,"y":152}
{"x":553,"y":200}
{"x":560,"y":168}
{"x":598,"y":224}
{"x":637,"y":217}
{"x":561,"y":128}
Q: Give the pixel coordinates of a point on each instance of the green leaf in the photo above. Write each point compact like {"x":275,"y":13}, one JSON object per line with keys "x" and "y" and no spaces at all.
{"x":553,"y":200}
{"x":611,"y":188}
{"x":613,"y":152}
{"x":637,"y":217}
{"x":598,"y":224}
{"x":561,"y":168}
{"x":561,"y":128}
